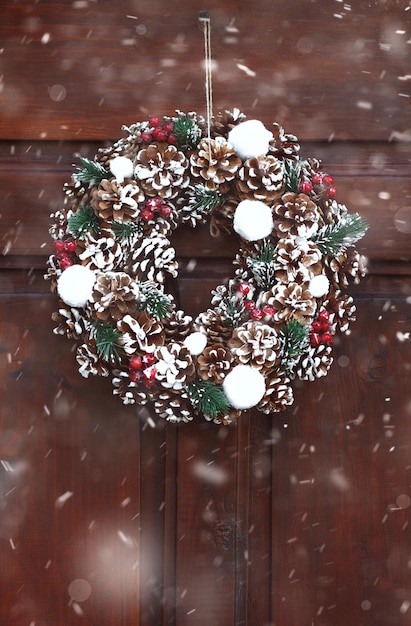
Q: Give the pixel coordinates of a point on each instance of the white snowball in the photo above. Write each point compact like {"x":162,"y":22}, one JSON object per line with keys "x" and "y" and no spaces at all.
{"x":195,"y":342}
{"x":250,"y":139}
{"x":319,"y":285}
{"x":75,"y":285}
{"x":244,"y":387}
{"x":121,"y":168}
{"x":253,"y":220}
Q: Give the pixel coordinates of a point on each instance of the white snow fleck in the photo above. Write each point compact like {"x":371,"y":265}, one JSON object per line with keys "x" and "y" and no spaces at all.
{"x":384,"y":195}
{"x":61,"y":500}
{"x":363,"y":104}
{"x":404,"y":607}
{"x":402,"y":336}
{"x":45,"y":38}
{"x":128,"y":541}
{"x":365,"y":605}
{"x":246,"y":70}
{"x":125,"y":502}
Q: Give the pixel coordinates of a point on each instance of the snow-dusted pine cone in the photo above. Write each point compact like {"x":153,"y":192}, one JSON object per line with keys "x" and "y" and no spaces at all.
{"x":291,"y":301}
{"x":343,"y":307}
{"x":214,"y":363}
{"x":257,"y":345}
{"x":161,"y":170}
{"x":214,"y":163}
{"x":141,"y":333}
{"x":178,"y":325}
{"x":150,"y":258}
{"x":173,"y":407}
{"x":297,"y":261}
{"x":278,"y":394}
{"x":71,"y":322}
{"x":115,"y":294}
{"x":213,"y":325}
{"x":117,"y":202}
{"x":315,"y":363}
{"x":283,"y":145}
{"x":223,"y":122}
{"x":260,"y":178}
{"x":129,"y":391}
{"x":296,"y":214}
{"x":347,"y":268}
{"x":174,"y":366}
{"x":89,"y":361}
{"x":99,"y":253}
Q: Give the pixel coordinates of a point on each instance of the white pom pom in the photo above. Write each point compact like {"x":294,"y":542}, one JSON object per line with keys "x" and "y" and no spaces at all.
{"x":253,"y":220}
{"x":195,"y":343}
{"x":121,"y":168}
{"x":250,"y":139}
{"x":319,"y":285}
{"x":75,"y":285}
{"x":244,"y":387}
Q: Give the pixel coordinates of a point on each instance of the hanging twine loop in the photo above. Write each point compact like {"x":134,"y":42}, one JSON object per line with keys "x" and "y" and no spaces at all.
{"x":205,"y":24}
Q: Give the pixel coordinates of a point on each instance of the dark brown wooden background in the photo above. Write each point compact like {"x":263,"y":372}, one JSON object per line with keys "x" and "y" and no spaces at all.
{"x":296,"y":519}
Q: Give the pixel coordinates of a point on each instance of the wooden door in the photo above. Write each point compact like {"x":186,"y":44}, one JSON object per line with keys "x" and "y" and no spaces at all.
{"x":299,"y":518}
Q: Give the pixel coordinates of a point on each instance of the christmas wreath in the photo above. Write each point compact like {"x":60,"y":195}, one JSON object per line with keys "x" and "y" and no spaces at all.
{"x":271,"y":323}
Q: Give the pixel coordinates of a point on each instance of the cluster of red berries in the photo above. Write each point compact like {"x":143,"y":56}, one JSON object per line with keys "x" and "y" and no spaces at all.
{"x":64,"y":251}
{"x":142,"y":369}
{"x":319,"y":184}
{"x":159,"y":131}
{"x":255,"y":313}
{"x":320,"y":329}
{"x":153,"y":206}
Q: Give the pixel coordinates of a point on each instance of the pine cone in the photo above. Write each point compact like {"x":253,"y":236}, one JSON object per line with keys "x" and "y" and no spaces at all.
{"x":223,"y":122}
{"x":296,"y":214}
{"x":140,"y":333}
{"x":314,"y":363}
{"x":215,"y":163}
{"x":283,"y":146}
{"x":71,"y":322}
{"x":173,"y":407}
{"x":347,"y":268}
{"x":115,"y":294}
{"x":129,"y":391}
{"x":175,"y":366}
{"x":212,"y":324}
{"x":278,"y":395}
{"x":101,"y":253}
{"x":256,"y":344}
{"x":232,"y":416}
{"x":150,"y":258}
{"x":260,"y":178}
{"x":214,"y":363}
{"x":89,"y":361}
{"x":178,"y":325}
{"x":162,"y":170}
{"x":222,"y":218}
{"x":343,"y":308}
{"x":297,"y":261}
{"x":291,"y":301}
{"x":117,"y":202}
{"x":59,"y":219}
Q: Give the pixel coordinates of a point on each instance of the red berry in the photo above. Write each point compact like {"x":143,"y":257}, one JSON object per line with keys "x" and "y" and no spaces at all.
{"x":316,"y":326}
{"x":268,"y":310}
{"x":306,"y":186}
{"x":149,"y":359}
{"x":154,"y":120}
{"x":323,"y":315}
{"x":317,"y":178}
{"x":244,"y":288}
{"x":327,"y":337}
{"x":168,"y":127}
{"x":147,"y":215}
{"x":250,"y":305}
{"x":315,"y":339}
{"x":136,"y":363}
{"x":136,"y":376}
{"x":328,"y":180}
{"x":149,"y":373}
{"x":165,"y":211}
{"x":69,"y":246}
{"x":159,"y":134}
{"x":58,"y":245}
{"x":172,"y":139}
{"x":331,"y":192}
{"x":146,"y":137}
{"x":65,"y":262}
{"x":151,"y":204}
{"x":148,"y":382}
{"x":256,"y":314}
{"x":325,"y":325}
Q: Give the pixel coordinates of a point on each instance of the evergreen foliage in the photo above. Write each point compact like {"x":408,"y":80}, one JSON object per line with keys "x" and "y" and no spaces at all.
{"x":207,"y":398}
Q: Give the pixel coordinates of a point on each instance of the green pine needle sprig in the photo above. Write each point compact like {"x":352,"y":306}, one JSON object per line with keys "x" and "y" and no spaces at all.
{"x":83,"y":221}
{"x":295,"y":340}
{"x":126,"y":231}
{"x":205,"y":200}
{"x":207,"y":398}
{"x":187,"y":132}
{"x":107,"y":341}
{"x":292,"y":174}
{"x":261,"y":264}
{"x":335,"y":238}
{"x":92,"y":172}
{"x":155,"y":302}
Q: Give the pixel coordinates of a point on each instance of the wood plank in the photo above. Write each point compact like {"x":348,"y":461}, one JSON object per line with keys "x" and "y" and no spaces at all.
{"x":81,"y":69}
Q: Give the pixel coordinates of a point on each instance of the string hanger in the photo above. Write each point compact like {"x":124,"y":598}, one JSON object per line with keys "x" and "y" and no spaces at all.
{"x":205,"y":24}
